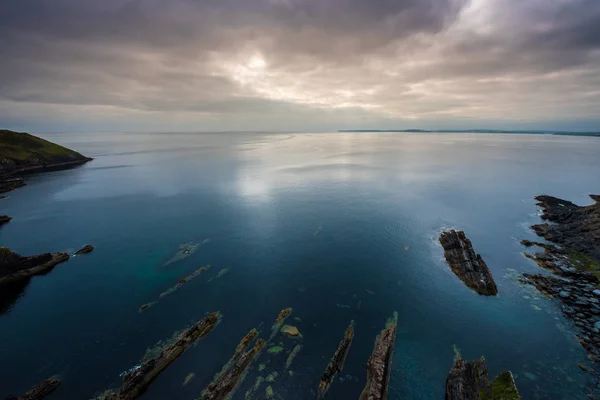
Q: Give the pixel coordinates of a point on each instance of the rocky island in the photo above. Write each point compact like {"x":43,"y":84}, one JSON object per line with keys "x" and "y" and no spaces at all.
{"x":40,"y":391}
{"x":4,"y":219}
{"x":574,"y":260}
{"x":471,"y":381}
{"x":379,"y":365}
{"x":466,"y":264}
{"x":22,"y":153}
{"x":14,"y":267}
{"x":337,"y":361}
{"x":137,"y":380}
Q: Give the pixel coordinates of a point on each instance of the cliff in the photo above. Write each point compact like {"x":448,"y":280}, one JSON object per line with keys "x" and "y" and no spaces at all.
{"x":22,"y":153}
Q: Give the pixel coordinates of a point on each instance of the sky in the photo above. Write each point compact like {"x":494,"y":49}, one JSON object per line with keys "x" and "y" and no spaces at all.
{"x":313,"y":65}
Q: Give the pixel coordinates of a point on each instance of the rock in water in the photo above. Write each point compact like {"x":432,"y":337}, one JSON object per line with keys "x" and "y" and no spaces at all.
{"x":466,"y":264}
{"x":226,"y":383}
{"x":136,"y":381}
{"x":14,"y":267}
{"x":40,"y":391}
{"x":290,"y":330}
{"x":337,"y":361}
{"x":471,"y":381}
{"x":575,"y":227}
{"x":88,"y":248}
{"x":380,"y":363}
{"x":4,"y":219}
{"x":576,"y":261}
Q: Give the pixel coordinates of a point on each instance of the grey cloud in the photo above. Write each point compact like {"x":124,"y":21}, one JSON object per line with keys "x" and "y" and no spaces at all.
{"x":413,"y":59}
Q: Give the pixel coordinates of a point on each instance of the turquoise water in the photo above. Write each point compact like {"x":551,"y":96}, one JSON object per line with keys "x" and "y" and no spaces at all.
{"x":339,"y":226}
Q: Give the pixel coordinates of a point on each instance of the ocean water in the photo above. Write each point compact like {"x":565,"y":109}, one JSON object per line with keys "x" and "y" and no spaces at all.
{"x":339,"y":226}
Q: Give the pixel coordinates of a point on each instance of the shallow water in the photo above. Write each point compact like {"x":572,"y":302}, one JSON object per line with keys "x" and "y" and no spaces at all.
{"x":339,"y":226}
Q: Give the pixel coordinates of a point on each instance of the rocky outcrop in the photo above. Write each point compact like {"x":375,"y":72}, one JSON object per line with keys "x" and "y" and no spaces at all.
{"x":226,"y":383}
{"x":574,"y":227}
{"x":4,"y":219}
{"x":40,"y":391}
{"x":88,"y":248}
{"x":14,"y":267}
{"x":466,"y":264}
{"x":8,"y":183}
{"x":573,"y":261}
{"x":136,"y":381}
{"x":380,"y":363}
{"x":471,"y":381}
{"x":179,"y":284}
{"x":337,"y":361}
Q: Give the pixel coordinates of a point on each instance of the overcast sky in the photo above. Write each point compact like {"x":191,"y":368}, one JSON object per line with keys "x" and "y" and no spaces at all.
{"x":311,"y":65}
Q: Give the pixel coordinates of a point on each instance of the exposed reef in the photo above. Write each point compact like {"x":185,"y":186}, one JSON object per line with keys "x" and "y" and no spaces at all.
{"x":4,"y":219}
{"x":14,"y":267}
{"x":177,"y":286}
{"x":228,"y":381}
{"x":336,"y":364}
{"x":40,"y":391}
{"x":88,"y":248}
{"x":136,"y":381}
{"x":185,"y":250}
{"x":466,"y":264}
{"x":380,"y":362}
{"x":574,"y":263}
{"x":471,"y":381}
{"x":22,"y":153}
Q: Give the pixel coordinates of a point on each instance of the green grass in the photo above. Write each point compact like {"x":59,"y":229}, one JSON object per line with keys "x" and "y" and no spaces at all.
{"x":583,"y":262}
{"x":503,"y":387}
{"x":22,"y":148}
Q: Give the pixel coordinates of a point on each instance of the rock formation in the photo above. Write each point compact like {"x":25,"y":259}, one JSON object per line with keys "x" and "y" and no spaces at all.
{"x":88,"y":248}
{"x":574,"y":227}
{"x":471,"y":381}
{"x":14,"y":267}
{"x":337,"y":361}
{"x":466,"y":264}
{"x":40,"y":391}
{"x":179,"y":284}
{"x":227,"y":382}
{"x":380,"y":363}
{"x":136,"y":381}
{"x":574,"y":262}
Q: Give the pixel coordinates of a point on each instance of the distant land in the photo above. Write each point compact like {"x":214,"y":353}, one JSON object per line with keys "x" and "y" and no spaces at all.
{"x":535,"y":132}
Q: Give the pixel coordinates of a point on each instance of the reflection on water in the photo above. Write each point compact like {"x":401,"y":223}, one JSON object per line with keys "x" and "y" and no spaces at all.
{"x":339,"y":226}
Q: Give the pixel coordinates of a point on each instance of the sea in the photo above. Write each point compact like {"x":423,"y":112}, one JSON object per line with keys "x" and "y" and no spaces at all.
{"x":340,"y":227}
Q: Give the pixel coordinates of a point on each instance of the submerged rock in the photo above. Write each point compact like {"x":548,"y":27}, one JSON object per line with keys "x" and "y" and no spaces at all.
{"x":137,"y":380}
{"x":466,"y":264}
{"x":14,"y":267}
{"x":471,"y":381}
{"x":380,"y":362}
{"x":283,"y":314}
{"x":337,"y":361}
{"x":88,"y":248}
{"x":227,"y":382}
{"x":40,"y":391}
{"x":293,"y":354}
{"x":179,"y":284}
{"x":290,"y":330}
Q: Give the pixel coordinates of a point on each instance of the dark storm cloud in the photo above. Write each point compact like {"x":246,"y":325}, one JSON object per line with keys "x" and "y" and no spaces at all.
{"x":411,"y":59}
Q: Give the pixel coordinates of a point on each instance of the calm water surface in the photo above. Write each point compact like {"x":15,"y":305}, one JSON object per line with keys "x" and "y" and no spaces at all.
{"x":339,"y":226}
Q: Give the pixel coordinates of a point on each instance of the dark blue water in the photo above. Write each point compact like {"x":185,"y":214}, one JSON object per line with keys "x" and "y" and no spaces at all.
{"x":339,"y":226}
